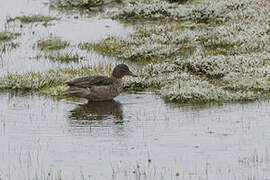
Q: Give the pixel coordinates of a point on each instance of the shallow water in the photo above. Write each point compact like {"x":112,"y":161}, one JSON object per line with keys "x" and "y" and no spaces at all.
{"x":73,"y":28}
{"x":108,"y":140}
{"x":137,"y":136}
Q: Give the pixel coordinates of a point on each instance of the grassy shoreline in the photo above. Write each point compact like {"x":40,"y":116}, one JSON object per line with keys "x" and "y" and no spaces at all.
{"x":197,"y":57}
{"x":215,"y":52}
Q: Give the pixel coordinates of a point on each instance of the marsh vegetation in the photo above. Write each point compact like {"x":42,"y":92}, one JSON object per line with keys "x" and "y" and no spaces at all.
{"x":211,"y":51}
{"x":32,"y":18}
{"x":52,"y":43}
{"x":61,"y":57}
{"x":192,"y":52}
{"x":7,"y":40}
{"x":90,"y":5}
{"x":8,"y":36}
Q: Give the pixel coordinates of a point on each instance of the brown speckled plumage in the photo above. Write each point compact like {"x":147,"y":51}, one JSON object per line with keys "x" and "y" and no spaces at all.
{"x":99,"y":88}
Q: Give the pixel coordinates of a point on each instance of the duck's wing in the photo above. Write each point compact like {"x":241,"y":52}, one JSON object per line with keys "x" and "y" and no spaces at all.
{"x":87,"y":82}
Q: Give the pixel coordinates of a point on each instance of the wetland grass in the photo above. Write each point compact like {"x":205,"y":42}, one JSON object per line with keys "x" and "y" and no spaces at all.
{"x":206,"y":12}
{"x":6,"y":41}
{"x":52,"y":43}
{"x":149,"y":44}
{"x":8,"y":36}
{"x":5,"y":47}
{"x":61,"y":57}
{"x":77,"y":4}
{"x":227,"y":60}
{"x":32,"y":18}
{"x":64,"y":58}
{"x":81,"y":4}
{"x":51,"y":82}
{"x":178,"y":1}
{"x":188,"y":61}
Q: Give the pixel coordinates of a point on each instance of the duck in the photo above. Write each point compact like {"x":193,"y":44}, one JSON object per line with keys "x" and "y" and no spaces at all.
{"x":99,"y":88}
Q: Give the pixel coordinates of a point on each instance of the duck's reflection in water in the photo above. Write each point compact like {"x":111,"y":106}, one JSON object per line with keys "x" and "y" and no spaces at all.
{"x":94,"y":113}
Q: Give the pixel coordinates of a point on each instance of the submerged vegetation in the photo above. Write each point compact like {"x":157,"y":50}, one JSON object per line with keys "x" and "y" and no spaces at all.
{"x":6,"y":41}
{"x":81,"y":4}
{"x":32,"y":18}
{"x":52,"y":43}
{"x":61,"y":57}
{"x":8,"y":36}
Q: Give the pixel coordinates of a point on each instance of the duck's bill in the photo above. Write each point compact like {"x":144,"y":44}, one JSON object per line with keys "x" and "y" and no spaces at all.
{"x":131,"y":74}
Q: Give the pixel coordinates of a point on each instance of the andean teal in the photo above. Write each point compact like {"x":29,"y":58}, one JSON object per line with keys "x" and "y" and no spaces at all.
{"x":99,"y":88}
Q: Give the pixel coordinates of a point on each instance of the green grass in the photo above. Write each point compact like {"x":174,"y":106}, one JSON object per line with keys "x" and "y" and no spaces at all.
{"x":32,"y":18}
{"x":49,"y":83}
{"x":52,"y":43}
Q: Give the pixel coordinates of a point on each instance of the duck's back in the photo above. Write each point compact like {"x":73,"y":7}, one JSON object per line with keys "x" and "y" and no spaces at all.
{"x":90,"y":81}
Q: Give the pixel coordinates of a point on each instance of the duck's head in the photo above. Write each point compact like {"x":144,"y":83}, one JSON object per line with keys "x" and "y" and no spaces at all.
{"x":122,"y":70}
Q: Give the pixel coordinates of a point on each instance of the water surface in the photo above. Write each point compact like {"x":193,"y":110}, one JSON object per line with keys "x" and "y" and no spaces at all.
{"x":73,"y":28}
{"x":108,"y":140}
